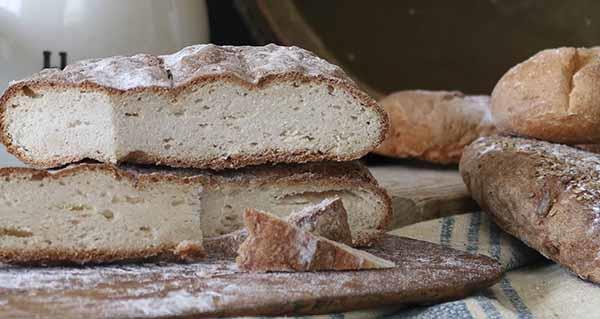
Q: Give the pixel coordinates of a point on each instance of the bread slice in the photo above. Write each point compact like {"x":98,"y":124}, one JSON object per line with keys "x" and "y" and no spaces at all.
{"x":434,"y":126}
{"x":551,"y":96}
{"x":547,"y":195}
{"x":326,"y":219}
{"x":94,"y":213}
{"x":276,"y":245}
{"x":205,"y":106}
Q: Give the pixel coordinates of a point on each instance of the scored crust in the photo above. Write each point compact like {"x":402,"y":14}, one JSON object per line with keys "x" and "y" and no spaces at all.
{"x":547,"y":195}
{"x":552,"y":96}
{"x":434,"y":125}
{"x":178,"y":74}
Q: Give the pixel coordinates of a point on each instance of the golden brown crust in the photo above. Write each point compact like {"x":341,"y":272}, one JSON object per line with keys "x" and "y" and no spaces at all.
{"x":434,"y":125}
{"x":551,"y":96}
{"x":184,"y":79}
{"x":545,"y":194}
{"x":276,"y":245}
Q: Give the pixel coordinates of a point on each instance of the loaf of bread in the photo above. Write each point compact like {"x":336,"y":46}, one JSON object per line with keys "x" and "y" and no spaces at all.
{"x":434,"y":125}
{"x":276,"y":245}
{"x":547,"y":195}
{"x":93,"y":213}
{"x":205,"y":106}
{"x":552,"y":96}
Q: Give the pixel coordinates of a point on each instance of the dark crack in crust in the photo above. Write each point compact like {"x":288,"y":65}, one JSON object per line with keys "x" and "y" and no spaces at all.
{"x":179,"y":73}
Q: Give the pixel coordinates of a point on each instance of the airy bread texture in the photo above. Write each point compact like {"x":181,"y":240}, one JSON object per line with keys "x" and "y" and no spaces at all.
{"x":434,"y":125}
{"x":276,"y":245}
{"x":552,"y":96}
{"x":547,"y":195}
{"x":205,"y":106}
{"x":93,"y":213}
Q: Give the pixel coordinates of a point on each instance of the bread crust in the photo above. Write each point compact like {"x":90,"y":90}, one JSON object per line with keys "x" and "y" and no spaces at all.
{"x":434,"y":126}
{"x":351,"y":175}
{"x":276,"y":245}
{"x":180,"y":73}
{"x":551,"y":96}
{"x":545,"y":194}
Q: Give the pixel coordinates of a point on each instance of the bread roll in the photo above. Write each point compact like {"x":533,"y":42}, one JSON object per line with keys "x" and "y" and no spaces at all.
{"x":547,"y":195}
{"x":552,"y":96}
{"x":434,"y":125}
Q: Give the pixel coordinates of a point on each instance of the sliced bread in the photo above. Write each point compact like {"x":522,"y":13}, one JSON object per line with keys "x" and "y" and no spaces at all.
{"x":205,"y":106}
{"x":274,"y":244}
{"x":93,"y":213}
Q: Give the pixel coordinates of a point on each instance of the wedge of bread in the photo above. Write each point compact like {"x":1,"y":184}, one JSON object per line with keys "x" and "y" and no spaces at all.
{"x":326,"y":219}
{"x":94,"y":213}
{"x":274,"y":244}
{"x":545,"y":194}
{"x":205,"y":106}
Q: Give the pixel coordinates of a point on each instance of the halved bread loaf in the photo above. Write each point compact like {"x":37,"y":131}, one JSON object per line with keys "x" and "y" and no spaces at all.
{"x":205,"y":106}
{"x":547,"y":195}
{"x":93,"y":213}
{"x":276,"y":245}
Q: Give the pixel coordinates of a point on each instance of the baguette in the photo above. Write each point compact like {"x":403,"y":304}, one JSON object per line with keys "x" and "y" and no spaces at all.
{"x":547,"y":195}
{"x":552,"y":96}
{"x":97,"y":213}
{"x":276,"y":245}
{"x":434,"y":126}
{"x":205,"y":106}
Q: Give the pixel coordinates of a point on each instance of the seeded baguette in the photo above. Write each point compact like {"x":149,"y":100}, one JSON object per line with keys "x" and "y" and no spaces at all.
{"x":205,"y":106}
{"x":545,"y":194}
{"x":97,"y":213}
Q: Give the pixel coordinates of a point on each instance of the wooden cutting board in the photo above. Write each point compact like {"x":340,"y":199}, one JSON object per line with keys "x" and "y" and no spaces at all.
{"x":423,"y":192}
{"x":425,"y":273}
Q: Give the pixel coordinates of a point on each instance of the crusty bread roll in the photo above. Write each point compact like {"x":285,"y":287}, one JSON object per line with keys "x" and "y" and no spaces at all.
{"x":547,"y":195}
{"x":552,"y":96}
{"x":93,"y":213}
{"x":205,"y":106}
{"x":434,"y":125}
{"x":274,"y":244}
